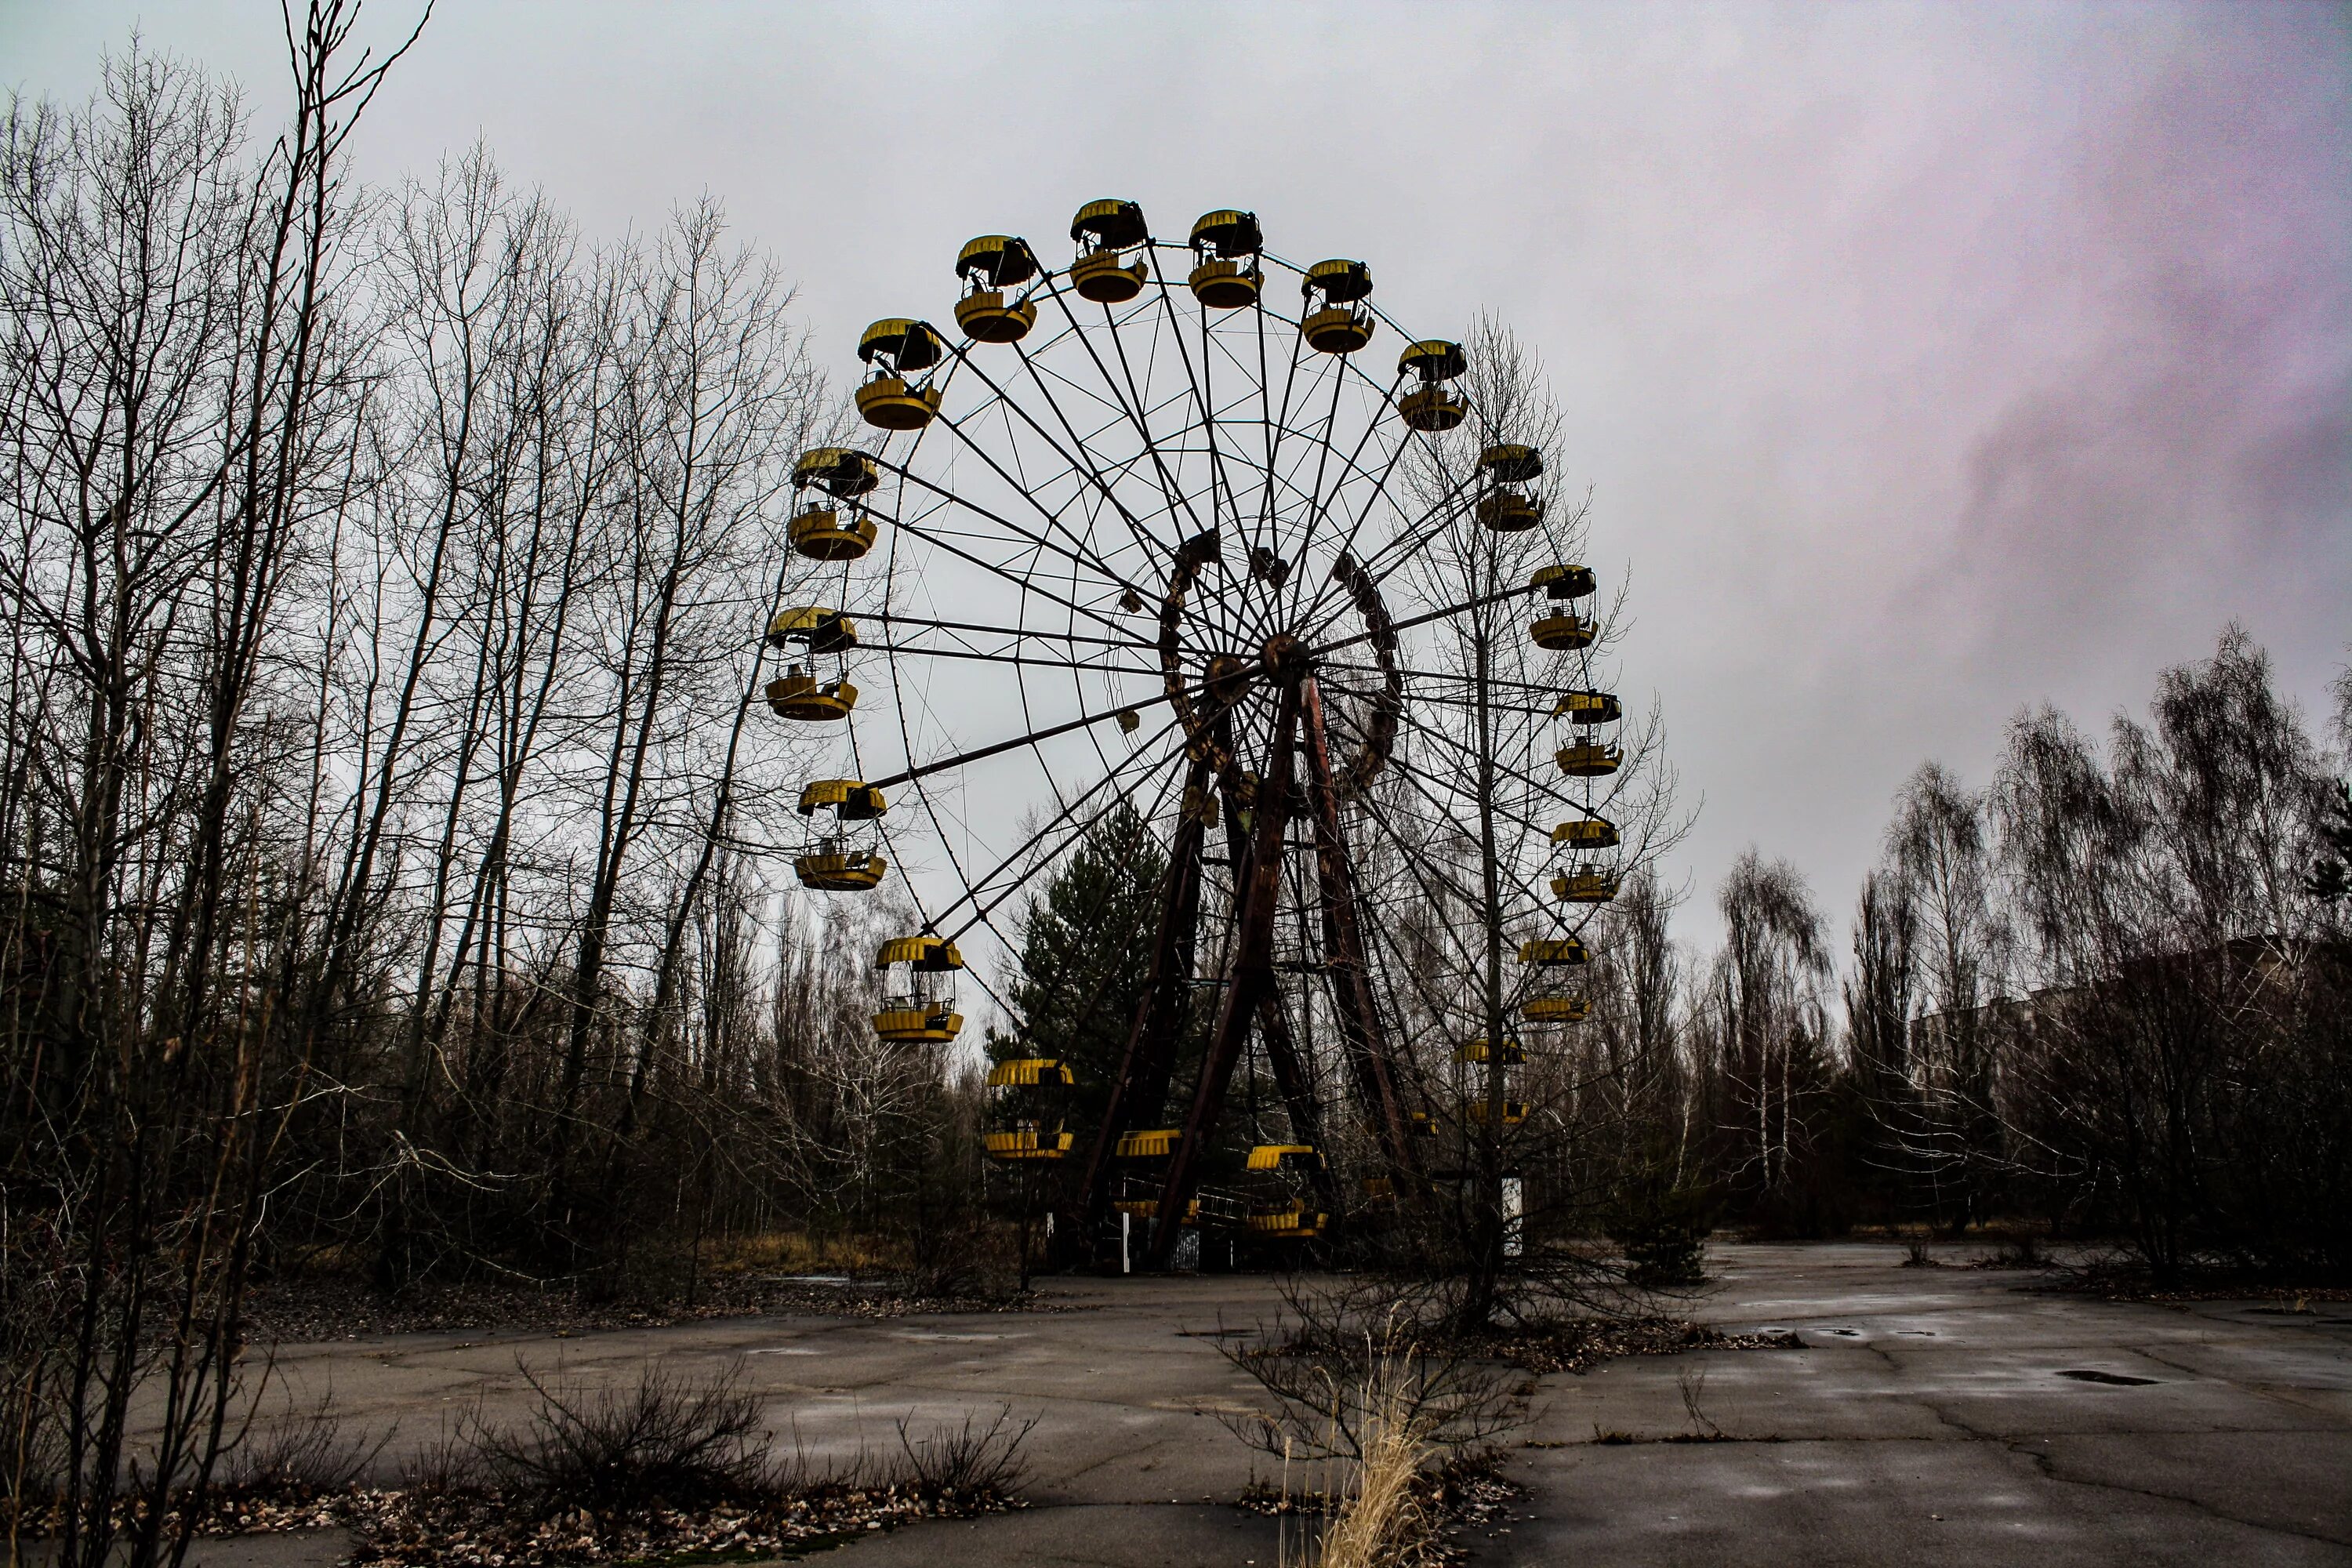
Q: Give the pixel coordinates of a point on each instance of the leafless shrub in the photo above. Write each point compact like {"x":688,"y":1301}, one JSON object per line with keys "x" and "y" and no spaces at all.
{"x":304,"y":1453}
{"x":448,"y":1462}
{"x":969,"y":1459}
{"x":1690,"y":1382}
{"x":1342,"y":1369}
{"x":666,"y":1439}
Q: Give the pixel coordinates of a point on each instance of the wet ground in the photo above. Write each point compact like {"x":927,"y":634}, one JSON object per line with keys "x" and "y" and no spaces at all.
{"x":1943,"y":1414}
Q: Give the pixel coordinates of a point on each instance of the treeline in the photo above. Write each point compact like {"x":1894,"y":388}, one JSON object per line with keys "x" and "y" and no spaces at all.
{"x":2109,"y":993}
{"x":381,"y":771}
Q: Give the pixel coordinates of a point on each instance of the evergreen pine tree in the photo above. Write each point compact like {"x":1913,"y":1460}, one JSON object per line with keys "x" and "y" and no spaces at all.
{"x":1085,"y":956}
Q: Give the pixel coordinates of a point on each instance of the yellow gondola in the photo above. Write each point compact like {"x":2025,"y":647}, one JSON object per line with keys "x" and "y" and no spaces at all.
{"x":799,"y":692}
{"x":1513,"y":1053}
{"x":1225,"y":246}
{"x":919,"y":994}
{"x":840,"y":861}
{"x":1028,"y":1144}
{"x":1556,"y":1009}
{"x":823,"y":533}
{"x":1586,"y":885}
{"x":1514,"y":1111}
{"x":1509,"y":463}
{"x":820,"y":626}
{"x":1278,"y":1207}
{"x":1587,"y":708}
{"x":1510,"y":511}
{"x":990,"y":265}
{"x":1294,"y":1221}
{"x":1563,"y":633}
{"x":1026,"y":1095}
{"x":894,"y":349}
{"x":1105,"y":233}
{"x":1589,"y":759}
{"x":842,"y":472}
{"x":1156,"y":1144}
{"x":1552,"y":953}
{"x":1432,"y":406}
{"x":1591,"y":833}
{"x":1562,"y":581}
{"x":1340,"y":325}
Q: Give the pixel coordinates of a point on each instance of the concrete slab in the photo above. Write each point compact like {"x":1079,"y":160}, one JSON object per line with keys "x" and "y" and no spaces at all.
{"x":1931,"y":1419}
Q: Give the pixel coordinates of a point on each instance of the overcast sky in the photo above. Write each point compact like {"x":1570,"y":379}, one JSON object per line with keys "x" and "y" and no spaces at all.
{"x":1925,"y":361}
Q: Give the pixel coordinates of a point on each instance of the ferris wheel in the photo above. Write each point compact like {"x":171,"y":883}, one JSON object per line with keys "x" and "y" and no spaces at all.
{"x":1134,"y":533}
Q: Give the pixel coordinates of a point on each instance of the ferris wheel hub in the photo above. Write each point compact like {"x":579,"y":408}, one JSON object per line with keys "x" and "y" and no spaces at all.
{"x":1283,"y":656}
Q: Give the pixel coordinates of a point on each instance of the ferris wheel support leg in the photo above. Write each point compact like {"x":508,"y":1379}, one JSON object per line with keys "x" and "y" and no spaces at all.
{"x":1290,"y":1075}
{"x":1252,"y":977}
{"x":1359,"y":1022}
{"x":1141,"y":1086}
{"x":1298,"y":1092}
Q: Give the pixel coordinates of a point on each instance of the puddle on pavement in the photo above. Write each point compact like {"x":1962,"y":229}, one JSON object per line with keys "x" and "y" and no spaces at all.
{"x":783,"y":1350}
{"x":934,"y":1337}
{"x":2108,"y":1379}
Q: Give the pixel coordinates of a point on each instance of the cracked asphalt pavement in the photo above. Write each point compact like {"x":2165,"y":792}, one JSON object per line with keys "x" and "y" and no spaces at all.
{"x":1940,"y":1415}
{"x":1950,"y":1415}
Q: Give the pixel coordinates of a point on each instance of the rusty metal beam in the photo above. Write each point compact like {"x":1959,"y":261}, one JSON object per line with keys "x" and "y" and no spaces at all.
{"x":1251,"y":977}
{"x":1141,"y":1087}
{"x":1359,"y":1023}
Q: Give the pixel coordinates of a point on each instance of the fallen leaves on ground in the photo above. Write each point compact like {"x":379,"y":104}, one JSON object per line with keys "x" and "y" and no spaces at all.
{"x":308,"y":1310}
{"x":1581,"y":1345}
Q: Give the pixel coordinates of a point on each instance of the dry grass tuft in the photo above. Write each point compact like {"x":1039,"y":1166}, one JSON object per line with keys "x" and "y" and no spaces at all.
{"x":1380,"y":1521}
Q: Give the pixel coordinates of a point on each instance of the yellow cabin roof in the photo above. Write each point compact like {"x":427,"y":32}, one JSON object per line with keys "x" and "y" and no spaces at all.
{"x":1024,"y":1072}
{"x":1591,"y":707}
{"x":1563,"y":581}
{"x":821,"y":793}
{"x":910,"y":344}
{"x":1511,"y":462}
{"x":1436,"y":358}
{"x":842,"y":471}
{"x":1594,"y":830}
{"x":1552,"y":949}
{"x":1229,"y":232}
{"x":1112,"y":223}
{"x":932,"y":953}
{"x":809,"y":623}
{"x":1269,"y":1156}
{"x":999,"y":260}
{"x":1340,"y":281}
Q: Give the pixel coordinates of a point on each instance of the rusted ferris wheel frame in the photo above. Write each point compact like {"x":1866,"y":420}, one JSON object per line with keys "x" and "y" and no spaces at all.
{"x":1238,"y":667}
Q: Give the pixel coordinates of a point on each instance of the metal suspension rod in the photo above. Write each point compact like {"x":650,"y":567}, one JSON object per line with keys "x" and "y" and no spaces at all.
{"x":1425,"y":617}
{"x":892,"y":617}
{"x":981,"y":912}
{"x":974,"y":652}
{"x":942,"y":764}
